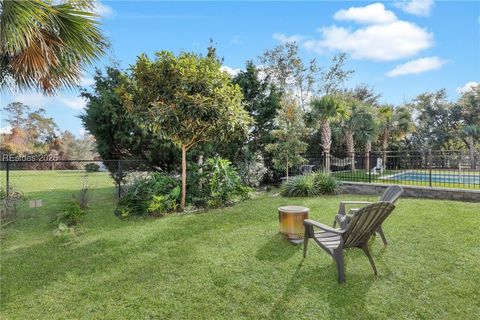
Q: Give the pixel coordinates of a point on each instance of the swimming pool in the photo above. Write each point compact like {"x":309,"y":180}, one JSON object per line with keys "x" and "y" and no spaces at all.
{"x":435,"y":177}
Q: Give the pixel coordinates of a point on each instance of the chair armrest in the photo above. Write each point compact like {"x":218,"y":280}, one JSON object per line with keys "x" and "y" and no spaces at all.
{"x":341,"y":208}
{"x":356,"y":202}
{"x":322,"y":226}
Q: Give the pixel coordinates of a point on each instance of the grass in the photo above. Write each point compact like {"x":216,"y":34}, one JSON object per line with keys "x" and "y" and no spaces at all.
{"x":361,"y":175}
{"x":231,"y":264}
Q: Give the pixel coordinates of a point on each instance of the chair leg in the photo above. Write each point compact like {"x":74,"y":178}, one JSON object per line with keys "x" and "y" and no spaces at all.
{"x":334,"y":222}
{"x":339,"y":262}
{"x":380,"y":232}
{"x":367,"y":253}
{"x":306,"y":237}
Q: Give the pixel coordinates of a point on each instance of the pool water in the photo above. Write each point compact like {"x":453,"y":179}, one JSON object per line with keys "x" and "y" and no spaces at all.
{"x":437,"y":177}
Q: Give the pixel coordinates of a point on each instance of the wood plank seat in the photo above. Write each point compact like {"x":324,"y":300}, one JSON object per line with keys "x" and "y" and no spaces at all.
{"x":355,"y":234}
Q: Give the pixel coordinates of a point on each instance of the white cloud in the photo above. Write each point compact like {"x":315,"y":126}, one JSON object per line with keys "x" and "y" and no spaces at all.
{"x":467,"y":87}
{"x":86,"y":81}
{"x":37,"y":100}
{"x":371,"y":14}
{"x":282,"y":38}
{"x":383,"y":42}
{"x":75,"y":103}
{"x":5,"y":130}
{"x":417,"y":66}
{"x":103,"y":10}
{"x":415,"y":7}
{"x":231,"y":71}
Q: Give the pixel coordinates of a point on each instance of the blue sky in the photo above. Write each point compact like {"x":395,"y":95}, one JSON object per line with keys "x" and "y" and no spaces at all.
{"x":401,"y":48}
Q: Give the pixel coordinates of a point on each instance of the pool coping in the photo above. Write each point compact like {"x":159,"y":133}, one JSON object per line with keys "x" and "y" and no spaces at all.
{"x":414,"y":191}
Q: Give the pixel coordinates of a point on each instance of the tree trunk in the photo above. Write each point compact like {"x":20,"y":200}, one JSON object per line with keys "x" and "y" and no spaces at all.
{"x":368,"y":148}
{"x":471,"y":152}
{"x":200,"y":171}
{"x":184,"y":177}
{"x":326,"y":143}
{"x":350,"y":148}
{"x":384,"y":147}
{"x":287,"y":168}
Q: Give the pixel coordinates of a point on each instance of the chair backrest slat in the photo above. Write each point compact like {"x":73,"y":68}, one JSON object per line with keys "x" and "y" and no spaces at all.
{"x":391,"y":194}
{"x":364,"y":223}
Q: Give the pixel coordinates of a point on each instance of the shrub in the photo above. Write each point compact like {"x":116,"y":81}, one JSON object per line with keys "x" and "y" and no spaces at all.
{"x":310,"y":185}
{"x":92,"y":167}
{"x":224,"y":183}
{"x":153,"y":195}
{"x":301,"y":186}
{"x":327,"y":184}
{"x":252,"y":171}
{"x":71,"y":213}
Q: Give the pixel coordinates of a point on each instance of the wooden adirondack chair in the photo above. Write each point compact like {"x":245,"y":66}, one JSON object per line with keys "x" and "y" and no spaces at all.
{"x":356,"y":234}
{"x":391,"y":194}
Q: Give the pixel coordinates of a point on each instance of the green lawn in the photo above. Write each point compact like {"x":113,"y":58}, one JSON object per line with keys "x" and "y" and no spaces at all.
{"x":232,"y":264}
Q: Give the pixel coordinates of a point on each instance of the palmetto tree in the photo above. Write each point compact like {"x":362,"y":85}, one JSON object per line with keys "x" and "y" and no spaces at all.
{"x":46,"y":45}
{"x":366,"y":130}
{"x":385,"y":119}
{"x":327,"y":109}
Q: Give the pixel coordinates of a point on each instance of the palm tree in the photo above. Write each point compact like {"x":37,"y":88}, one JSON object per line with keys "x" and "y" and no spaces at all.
{"x":46,"y":46}
{"x":366,"y":131}
{"x":327,"y":109}
{"x":385,"y":117}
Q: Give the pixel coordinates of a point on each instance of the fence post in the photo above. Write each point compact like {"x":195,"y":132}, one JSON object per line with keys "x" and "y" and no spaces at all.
{"x":7,"y":167}
{"x":369,"y":167}
{"x":430,"y":167}
{"x":119,"y":177}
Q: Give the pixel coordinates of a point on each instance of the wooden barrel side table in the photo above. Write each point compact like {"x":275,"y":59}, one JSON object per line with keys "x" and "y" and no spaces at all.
{"x":291,"y":222}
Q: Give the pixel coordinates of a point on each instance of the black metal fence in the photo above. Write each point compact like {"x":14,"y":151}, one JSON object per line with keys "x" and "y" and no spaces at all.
{"x":31,"y":184}
{"x":455,"y":169}
{"x":50,"y":181}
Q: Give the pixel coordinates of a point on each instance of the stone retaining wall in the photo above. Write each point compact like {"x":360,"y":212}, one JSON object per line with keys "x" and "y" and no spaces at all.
{"x":414,"y":191}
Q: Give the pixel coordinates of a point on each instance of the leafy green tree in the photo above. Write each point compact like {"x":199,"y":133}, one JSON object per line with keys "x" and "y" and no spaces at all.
{"x":289,"y":136}
{"x":117,"y":133}
{"x":262,"y":100}
{"x":41,"y":129}
{"x":17,"y":114}
{"x":47,"y":45}
{"x":186,"y":99}
{"x":284,"y":67}
{"x":470,"y":132}
{"x":438,"y":122}
{"x":334,"y":77}
{"x":326,"y":110}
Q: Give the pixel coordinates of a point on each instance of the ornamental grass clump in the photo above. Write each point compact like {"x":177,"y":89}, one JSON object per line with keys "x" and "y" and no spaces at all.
{"x":311,"y":185}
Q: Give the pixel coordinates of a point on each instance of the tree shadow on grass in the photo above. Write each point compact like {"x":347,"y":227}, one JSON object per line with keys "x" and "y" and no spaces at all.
{"x":320,"y":280}
{"x":277,"y":249}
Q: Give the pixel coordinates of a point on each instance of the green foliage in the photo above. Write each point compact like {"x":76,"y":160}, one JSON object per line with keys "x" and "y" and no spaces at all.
{"x":326,"y":183}
{"x":223,"y":183}
{"x":252,"y":169}
{"x":47,"y":44}
{"x":117,"y":132}
{"x":187,"y":99}
{"x":92,"y":167}
{"x":155,"y":195}
{"x":289,"y":135}
{"x":310,"y":185}
{"x":301,"y":186}
{"x":262,"y":100}
{"x":71,"y":213}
